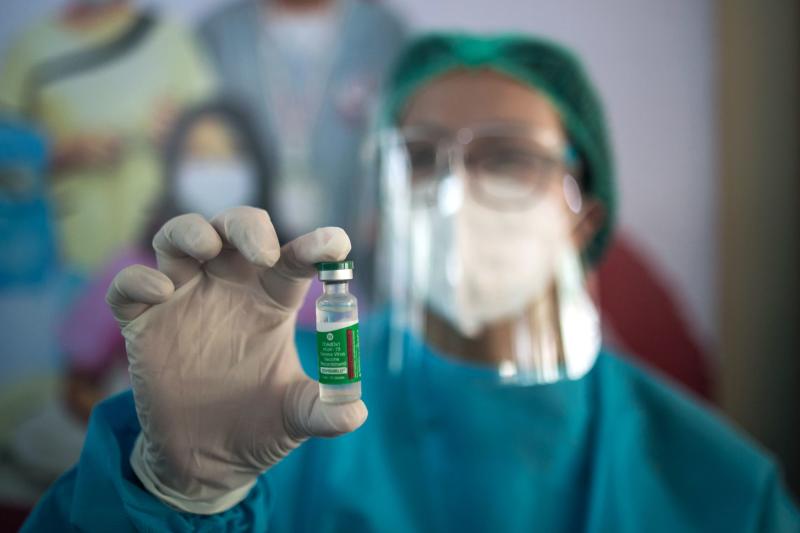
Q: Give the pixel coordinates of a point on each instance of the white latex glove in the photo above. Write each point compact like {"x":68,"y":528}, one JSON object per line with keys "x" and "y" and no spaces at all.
{"x":219,"y":389}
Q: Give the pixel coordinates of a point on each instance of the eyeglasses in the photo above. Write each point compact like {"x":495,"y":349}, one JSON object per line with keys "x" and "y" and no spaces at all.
{"x":506,"y":166}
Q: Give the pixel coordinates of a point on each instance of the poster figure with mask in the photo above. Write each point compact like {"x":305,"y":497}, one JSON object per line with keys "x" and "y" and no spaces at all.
{"x":310,"y":72}
{"x":70,"y":74}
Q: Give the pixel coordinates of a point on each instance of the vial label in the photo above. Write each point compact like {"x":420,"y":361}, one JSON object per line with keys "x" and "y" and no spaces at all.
{"x":338,"y":354}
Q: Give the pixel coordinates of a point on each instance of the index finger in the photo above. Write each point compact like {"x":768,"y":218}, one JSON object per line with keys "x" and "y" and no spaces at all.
{"x":287,"y":282}
{"x":134,"y":290}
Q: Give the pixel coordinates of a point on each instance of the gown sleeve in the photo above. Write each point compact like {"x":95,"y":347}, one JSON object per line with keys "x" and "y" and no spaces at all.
{"x":778,"y":511}
{"x":101,"y":492}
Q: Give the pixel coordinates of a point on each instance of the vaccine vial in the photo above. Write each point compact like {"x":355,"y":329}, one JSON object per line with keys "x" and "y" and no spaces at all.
{"x":338,"y":353}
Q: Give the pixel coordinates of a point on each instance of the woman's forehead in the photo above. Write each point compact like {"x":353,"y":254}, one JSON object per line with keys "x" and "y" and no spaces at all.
{"x":465,"y":98}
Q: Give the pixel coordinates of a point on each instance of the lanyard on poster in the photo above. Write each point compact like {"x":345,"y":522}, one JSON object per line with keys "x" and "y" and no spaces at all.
{"x":92,"y":57}
{"x":296,"y":90}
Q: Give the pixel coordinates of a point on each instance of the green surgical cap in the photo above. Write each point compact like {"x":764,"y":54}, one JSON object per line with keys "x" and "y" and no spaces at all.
{"x":549,"y":68}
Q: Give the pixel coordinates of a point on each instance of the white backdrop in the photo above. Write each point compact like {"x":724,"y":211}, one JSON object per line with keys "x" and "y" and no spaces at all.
{"x":654,"y":62}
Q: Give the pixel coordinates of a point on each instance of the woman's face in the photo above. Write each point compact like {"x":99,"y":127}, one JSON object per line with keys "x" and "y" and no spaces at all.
{"x":469,"y":99}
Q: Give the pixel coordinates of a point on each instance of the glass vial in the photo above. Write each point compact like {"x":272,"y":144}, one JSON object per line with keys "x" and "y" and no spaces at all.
{"x":338,"y":350}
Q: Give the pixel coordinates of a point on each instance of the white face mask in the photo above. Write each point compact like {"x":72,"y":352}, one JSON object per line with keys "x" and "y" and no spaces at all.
{"x":486,"y":265}
{"x":209,"y":186}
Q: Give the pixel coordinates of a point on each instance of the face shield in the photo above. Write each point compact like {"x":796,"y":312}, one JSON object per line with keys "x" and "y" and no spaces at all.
{"x":479,"y":254}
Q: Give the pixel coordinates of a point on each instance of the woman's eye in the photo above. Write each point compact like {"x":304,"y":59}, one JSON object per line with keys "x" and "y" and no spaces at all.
{"x":509,"y":160}
{"x":422,"y":157}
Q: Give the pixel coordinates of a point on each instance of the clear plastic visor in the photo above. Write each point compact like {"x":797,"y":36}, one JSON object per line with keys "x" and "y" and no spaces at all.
{"x":478,"y":250}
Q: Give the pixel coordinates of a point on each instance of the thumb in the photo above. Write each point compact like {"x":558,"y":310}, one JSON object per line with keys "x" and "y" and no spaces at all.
{"x":305,"y":415}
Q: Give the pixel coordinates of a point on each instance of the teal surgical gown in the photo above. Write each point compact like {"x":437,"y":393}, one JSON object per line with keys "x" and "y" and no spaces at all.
{"x":445,"y":449}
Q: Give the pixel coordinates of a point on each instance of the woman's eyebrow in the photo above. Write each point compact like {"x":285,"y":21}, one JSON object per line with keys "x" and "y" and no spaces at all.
{"x":427,"y":126}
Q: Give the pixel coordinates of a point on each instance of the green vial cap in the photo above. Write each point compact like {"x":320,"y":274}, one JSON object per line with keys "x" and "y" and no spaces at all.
{"x":335,"y":265}
{"x":335,"y":270}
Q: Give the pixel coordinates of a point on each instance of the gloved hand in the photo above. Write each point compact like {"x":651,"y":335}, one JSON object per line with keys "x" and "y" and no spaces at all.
{"x":218,"y":386}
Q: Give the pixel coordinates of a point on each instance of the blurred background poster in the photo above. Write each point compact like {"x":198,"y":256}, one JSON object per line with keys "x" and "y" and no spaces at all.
{"x":117,"y":115}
